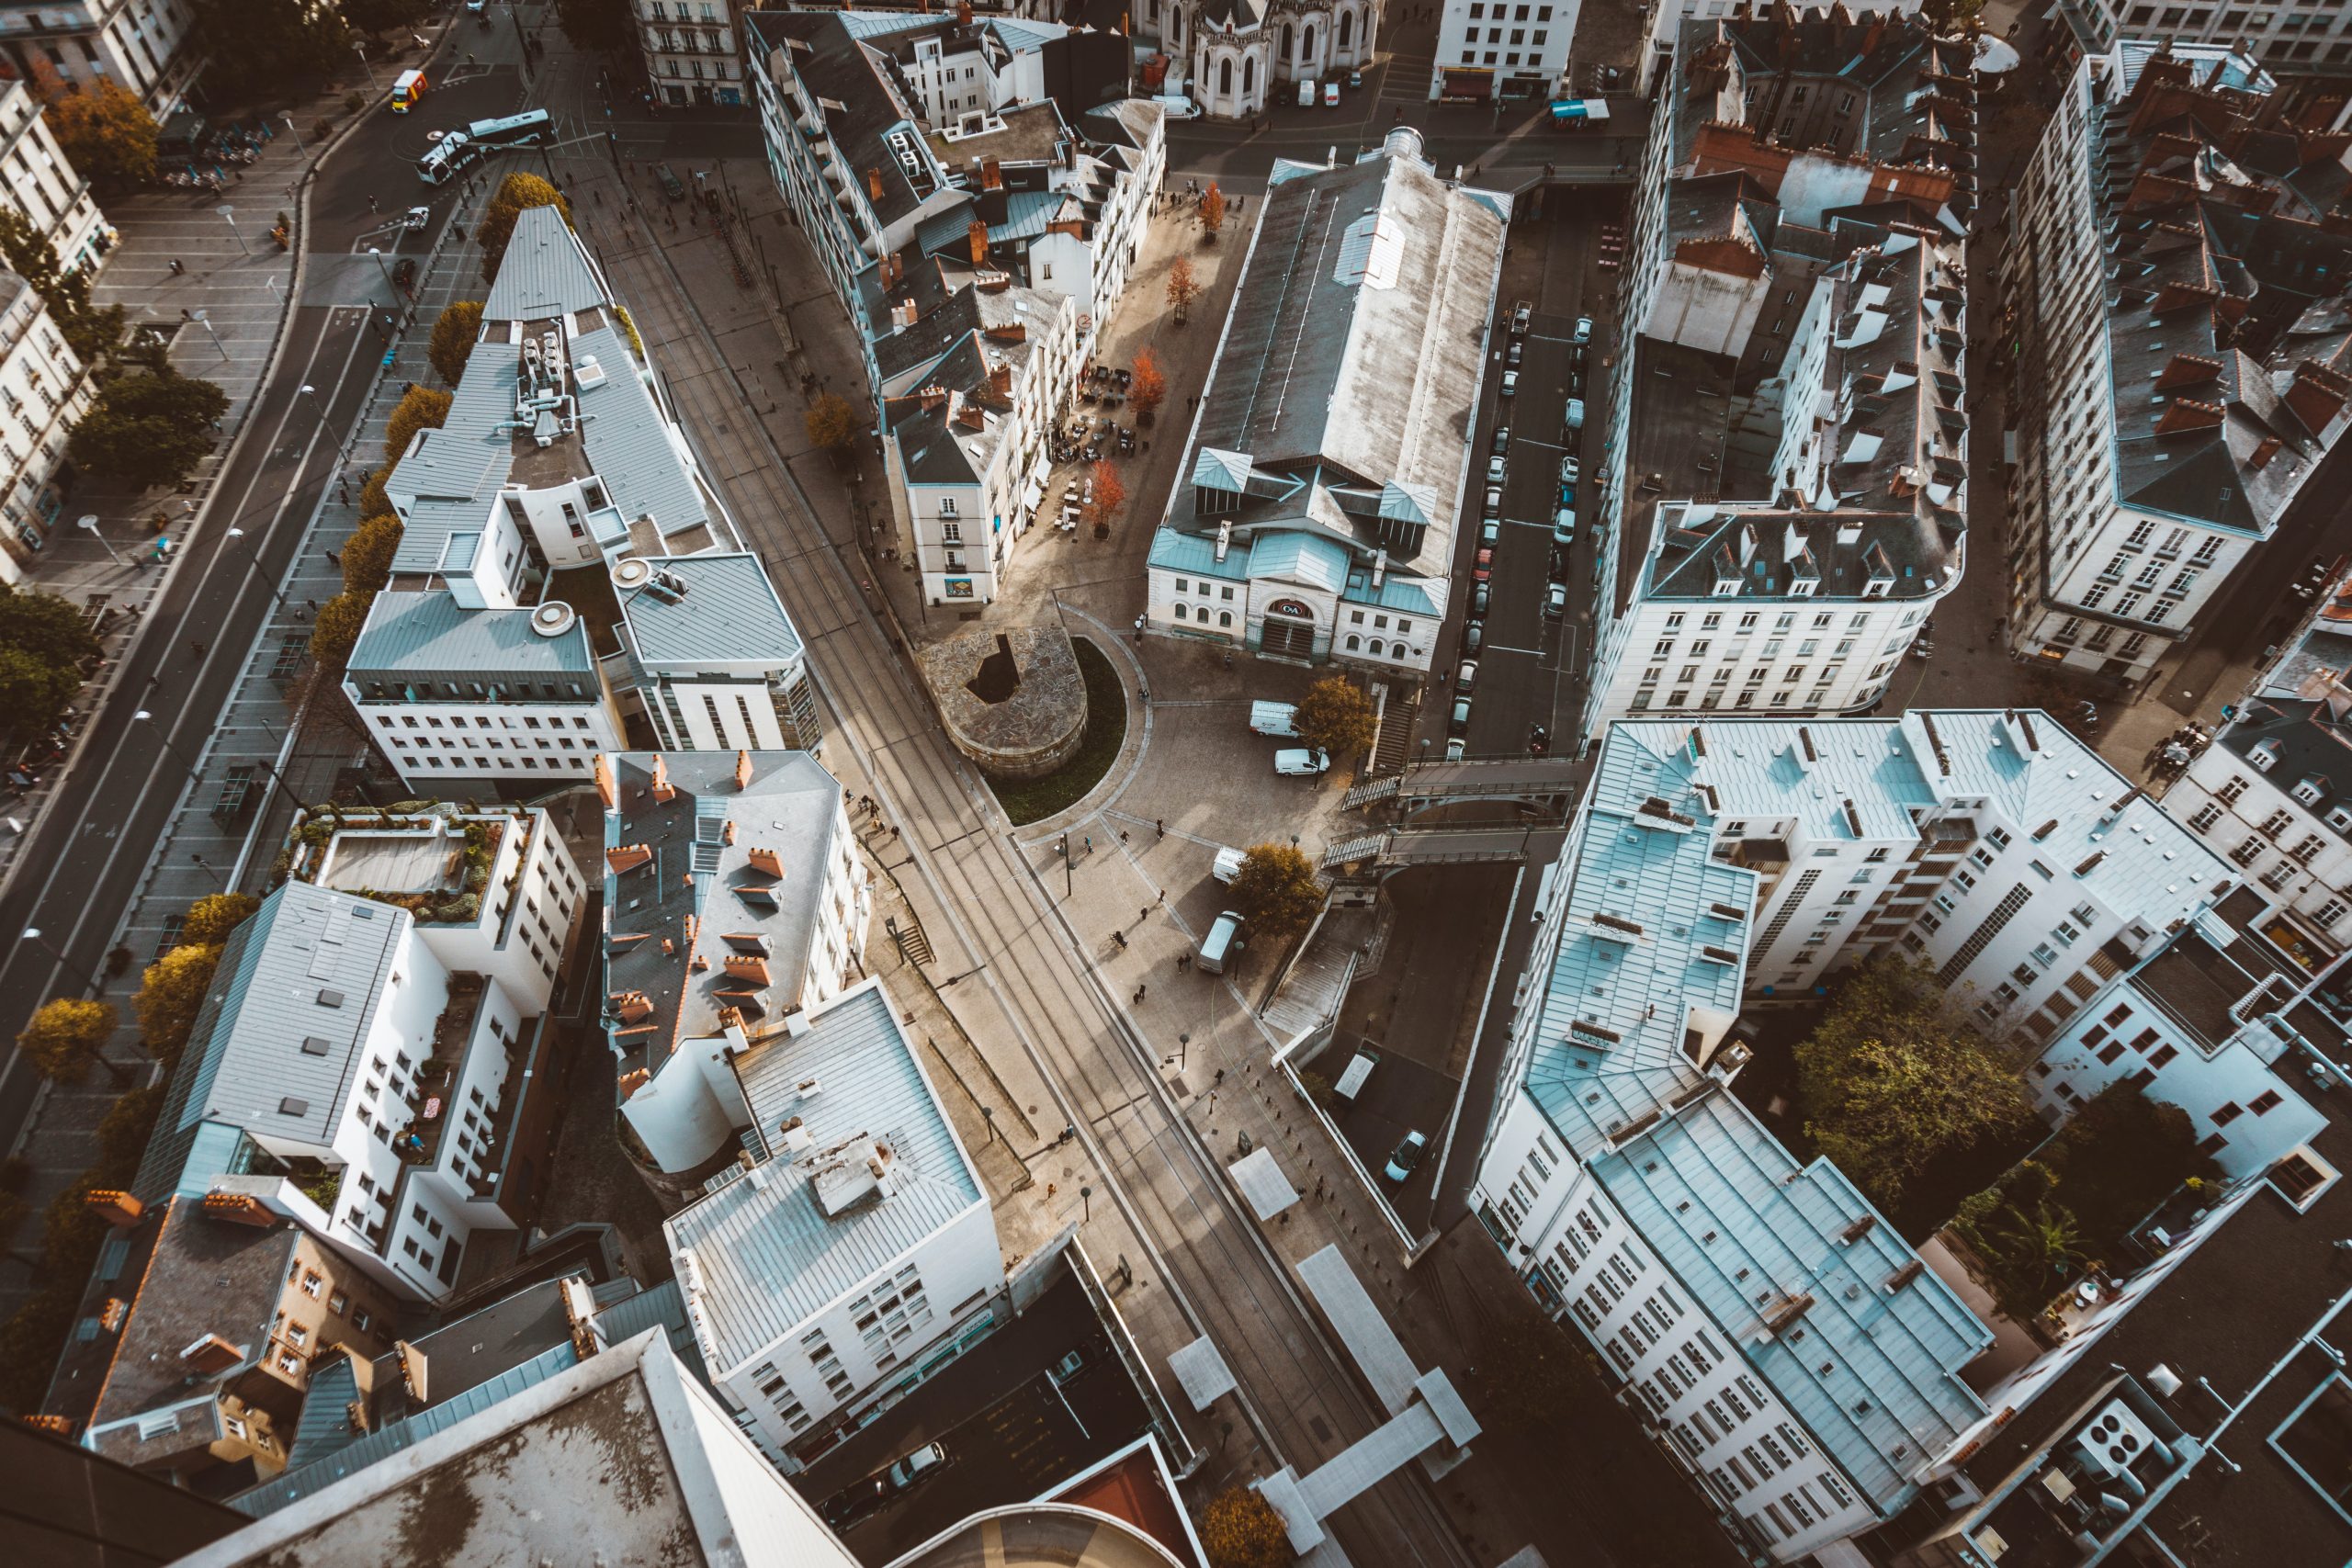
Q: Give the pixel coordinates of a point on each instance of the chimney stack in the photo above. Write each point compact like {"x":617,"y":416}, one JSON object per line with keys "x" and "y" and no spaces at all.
{"x":625,"y":858}
{"x":606,"y":790}
{"x":763,"y":860}
{"x":874,"y":184}
{"x":663,"y":789}
{"x":119,"y":1210}
{"x":975,"y":235}
{"x":742,"y":780}
{"x":992,"y":174}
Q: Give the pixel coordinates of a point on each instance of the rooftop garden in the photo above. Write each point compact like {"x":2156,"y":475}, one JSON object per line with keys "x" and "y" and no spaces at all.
{"x":457,"y":896}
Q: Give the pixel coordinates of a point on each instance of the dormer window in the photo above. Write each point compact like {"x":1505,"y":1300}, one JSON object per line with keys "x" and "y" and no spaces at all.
{"x":2265,"y":755}
{"x":2309,"y":792}
{"x":2341,"y":818}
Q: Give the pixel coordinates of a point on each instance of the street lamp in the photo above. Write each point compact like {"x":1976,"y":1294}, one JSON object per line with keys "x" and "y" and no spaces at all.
{"x":378,"y":252}
{"x":204,"y":319}
{"x":253,"y":556}
{"x":312,"y":393}
{"x":296,"y":135}
{"x":1086,"y":1196}
{"x":217,"y":879}
{"x":143,"y":716}
{"x":229,"y":216}
{"x":91,"y":523}
{"x":32,"y":934}
{"x":364,"y":65}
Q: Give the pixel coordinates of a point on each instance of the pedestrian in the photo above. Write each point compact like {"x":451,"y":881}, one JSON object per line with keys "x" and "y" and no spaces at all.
{"x":894,"y":832}
{"x":198,"y":645}
{"x":1140,"y":990}
{"x":1144,"y":913}
{"x":1120,"y":938}
{"x":1220,"y":1076}
{"x":1183,"y":962}
{"x":334,"y":559}
{"x":375,"y":206}
{"x":1089,"y":843}
{"x":313,"y":604}
{"x":1162,"y":825}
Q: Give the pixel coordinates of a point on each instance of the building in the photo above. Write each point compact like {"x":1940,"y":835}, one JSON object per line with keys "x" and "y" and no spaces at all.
{"x":688,"y":46}
{"x":44,"y":188}
{"x":1502,"y":50}
{"x":849,"y":1254}
{"x":1780,"y":496}
{"x":2317,"y":41}
{"x":197,"y":1360}
{"x":976,"y":206}
{"x":1662,"y":22}
{"x":734,"y":903}
{"x":2186,"y":347}
{"x":67,"y":1505}
{"x":2274,"y":791}
{"x":1313,"y":514}
{"x":147,"y":47}
{"x":1244,"y":56}
{"x":44,"y":390}
{"x":342,"y":1076}
{"x":567,"y":581}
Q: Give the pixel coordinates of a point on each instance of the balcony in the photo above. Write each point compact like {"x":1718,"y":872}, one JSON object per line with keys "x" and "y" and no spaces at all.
{"x":430,"y":1102}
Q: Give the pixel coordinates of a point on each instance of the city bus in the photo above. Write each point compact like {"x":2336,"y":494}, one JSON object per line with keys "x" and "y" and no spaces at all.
{"x":461,"y":150}
{"x":408,"y":89}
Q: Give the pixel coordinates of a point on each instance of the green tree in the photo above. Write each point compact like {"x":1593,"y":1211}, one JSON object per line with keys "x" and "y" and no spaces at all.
{"x":454,"y":334}
{"x":337,"y":629}
{"x":52,"y":629}
{"x":1276,"y":888}
{"x":2036,"y":1253}
{"x":1240,"y":1529}
{"x":212,"y":918}
{"x":90,"y":331}
{"x":831,"y":422}
{"x":34,"y":694}
{"x":66,"y":1034}
{"x":1890,"y":1079}
{"x":281,"y":45}
{"x":1336,"y":715}
{"x":171,"y":995}
{"x":423,"y":408}
{"x":367,"y":554}
{"x":516,"y":194}
{"x":107,"y":135}
{"x":596,"y":26}
{"x":148,"y":429}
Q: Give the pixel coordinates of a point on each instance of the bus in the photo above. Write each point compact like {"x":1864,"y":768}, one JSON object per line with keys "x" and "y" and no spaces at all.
{"x":408,"y":89}
{"x":461,"y":150}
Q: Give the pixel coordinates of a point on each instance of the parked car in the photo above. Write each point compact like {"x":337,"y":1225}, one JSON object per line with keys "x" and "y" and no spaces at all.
{"x":1406,"y":1157}
{"x":920,"y":1465}
{"x":1474,"y":633}
{"x":1494,"y":503}
{"x":1555,"y":601}
{"x":1274,"y":719}
{"x":1512,"y":355}
{"x":1511,"y":383}
{"x":1576,"y":413}
{"x":1576,"y":356}
{"x":1227,"y":864}
{"x":1563,"y":526}
{"x":1302,"y":761}
{"x":1576,"y":383}
{"x":1584,"y":329}
{"x":1466,"y":679}
{"x":1496,"y":470}
{"x":1355,"y":80}
{"x":1483,"y":566}
{"x":1500,"y":442}
{"x":1491,"y":531}
{"x":1568,"y":495}
{"x":1558,"y":569}
{"x":1330,"y":95}
{"x":1569,"y":471}
{"x":1522,"y":315}
{"x":1478,"y":600}
{"x":1458,"y":721}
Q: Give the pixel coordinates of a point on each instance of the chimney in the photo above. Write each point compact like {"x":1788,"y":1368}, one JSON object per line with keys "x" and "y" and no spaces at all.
{"x":976,"y":234}
{"x":874,"y":184}
{"x":118,"y":1209}
{"x":1379,"y":567}
{"x":2316,"y":396}
{"x":211,"y":1355}
{"x":1224,"y":539}
{"x":904,"y":315}
{"x":747,"y":966}
{"x":631,"y":1081}
{"x":742,"y":780}
{"x":992,"y":174}
{"x":627,"y":858}
{"x":763,"y":860}
{"x":663,"y":789}
{"x":606,"y":790}
{"x":239,"y":1209}
{"x":933,"y":396}
{"x":726,"y":833}
{"x":1001,"y":378}
{"x":633,"y":1006}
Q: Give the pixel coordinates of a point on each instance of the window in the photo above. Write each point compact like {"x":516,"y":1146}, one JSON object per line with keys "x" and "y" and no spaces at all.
{"x":2205,"y":817}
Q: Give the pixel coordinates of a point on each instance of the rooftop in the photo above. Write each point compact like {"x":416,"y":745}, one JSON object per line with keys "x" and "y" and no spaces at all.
{"x":622,"y":1457}
{"x":715,"y":865}
{"x":412,"y":636}
{"x":871,"y":1168}
{"x":721,"y":610}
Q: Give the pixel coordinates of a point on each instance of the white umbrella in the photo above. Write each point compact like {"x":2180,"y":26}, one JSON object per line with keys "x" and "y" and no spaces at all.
{"x":1995,"y":56}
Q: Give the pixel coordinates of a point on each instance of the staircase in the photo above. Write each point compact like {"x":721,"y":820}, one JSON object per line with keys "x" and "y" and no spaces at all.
{"x":1395,"y":747}
{"x":913,"y":945}
{"x":1366,"y":791}
{"x":1365,"y":848}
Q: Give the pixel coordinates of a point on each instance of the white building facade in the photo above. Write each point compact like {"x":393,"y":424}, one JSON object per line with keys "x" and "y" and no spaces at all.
{"x":148,"y":46}
{"x":688,"y":46}
{"x":1663,"y":21}
{"x":44,"y":390}
{"x":2289,"y":41}
{"x":1240,"y":58}
{"x":43,"y":186}
{"x":1503,"y":49}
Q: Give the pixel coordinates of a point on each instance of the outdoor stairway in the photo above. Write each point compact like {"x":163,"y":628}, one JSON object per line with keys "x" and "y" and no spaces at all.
{"x":1393,"y":749}
{"x":1347,"y":849}
{"x":913,"y":945}
{"x":1366,"y":791}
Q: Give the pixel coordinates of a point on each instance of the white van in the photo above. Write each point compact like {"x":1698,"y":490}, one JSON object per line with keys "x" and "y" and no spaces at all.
{"x":1223,"y":941}
{"x":1176,"y":105}
{"x":1352,"y":1076}
{"x":1274,"y":719}
{"x":1307,"y":94}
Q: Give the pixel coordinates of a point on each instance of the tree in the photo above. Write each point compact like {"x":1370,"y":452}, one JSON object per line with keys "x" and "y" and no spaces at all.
{"x":337,"y":629}
{"x":1336,"y":715}
{"x":1149,"y":385}
{"x":1183,"y":287}
{"x":421,"y":408}
{"x":517,"y":193}
{"x":1890,"y":1079}
{"x":148,"y":429}
{"x":454,"y":335}
{"x":34,"y":694}
{"x":1531,"y":1373}
{"x":1211,"y":211}
{"x":831,"y":422}
{"x":1950,"y":18}
{"x":90,"y":331}
{"x":373,"y":499}
{"x":1110,"y":494}
{"x":596,"y":26}
{"x":171,"y":995}
{"x":106,"y":132}
{"x":212,"y":918}
{"x":367,"y":554}
{"x":1277,"y":890}
{"x":66,"y":1034}
{"x":52,"y":629}
{"x":281,"y":45}
{"x":2036,"y":1253}
{"x":1240,"y":1529}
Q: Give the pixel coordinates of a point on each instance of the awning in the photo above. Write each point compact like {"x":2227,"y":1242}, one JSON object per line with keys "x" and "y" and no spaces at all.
{"x":1476,"y":83}
{"x":1034,"y":496}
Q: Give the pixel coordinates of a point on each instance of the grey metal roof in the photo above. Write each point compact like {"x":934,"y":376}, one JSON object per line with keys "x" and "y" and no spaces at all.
{"x":731,"y":615}
{"x":544,"y":273}
{"x":307,"y":966}
{"x":766,"y":1257}
{"x":429,"y":636}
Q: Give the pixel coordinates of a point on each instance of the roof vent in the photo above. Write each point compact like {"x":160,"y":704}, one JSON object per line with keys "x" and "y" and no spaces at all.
{"x":554,"y":618}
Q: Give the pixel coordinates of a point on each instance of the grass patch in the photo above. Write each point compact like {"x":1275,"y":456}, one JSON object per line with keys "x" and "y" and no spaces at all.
{"x":1028,"y":800}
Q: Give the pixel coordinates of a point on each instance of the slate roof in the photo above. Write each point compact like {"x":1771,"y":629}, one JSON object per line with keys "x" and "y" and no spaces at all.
{"x":427,"y":635}
{"x":729,"y":614}
{"x":766,"y":1257}
{"x":544,"y":273}
{"x":792,"y":805}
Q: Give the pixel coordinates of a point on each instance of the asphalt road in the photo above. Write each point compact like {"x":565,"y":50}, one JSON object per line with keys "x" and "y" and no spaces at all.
{"x":87,"y":853}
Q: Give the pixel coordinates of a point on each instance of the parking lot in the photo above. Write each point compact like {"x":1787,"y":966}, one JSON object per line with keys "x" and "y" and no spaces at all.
{"x":1398,"y":1096}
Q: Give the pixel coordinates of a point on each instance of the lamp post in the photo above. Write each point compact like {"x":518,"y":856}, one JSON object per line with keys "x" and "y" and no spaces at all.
{"x":219,"y":881}
{"x":253,"y":557}
{"x":143,"y":716}
{"x":32,"y":934}
{"x":91,"y":523}
{"x":1086,"y":1197}
{"x":378,"y":252}
{"x":296,"y":135}
{"x":362,"y":49}
{"x":204,"y":319}
{"x":229,"y":216}
{"x":318,"y":408}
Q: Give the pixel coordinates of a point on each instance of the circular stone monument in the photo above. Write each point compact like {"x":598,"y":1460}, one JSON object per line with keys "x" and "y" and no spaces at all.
{"x":1014,"y":702}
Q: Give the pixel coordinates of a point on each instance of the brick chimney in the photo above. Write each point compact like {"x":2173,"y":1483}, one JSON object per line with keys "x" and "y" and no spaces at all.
{"x":726,"y":833}
{"x":743,"y":779}
{"x":977,"y":236}
{"x":992,"y":174}
{"x":634,"y":1007}
{"x":631,"y":1081}
{"x":2317,"y":395}
{"x":211,"y":1354}
{"x":747,"y":966}
{"x":607,"y":790}
{"x":118,"y":1209}
{"x":627,"y":858}
{"x":239,"y":1209}
{"x":763,"y":860}
{"x":663,"y":789}
{"x":933,"y":396}
{"x":1001,"y":378}
{"x":874,"y":184}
